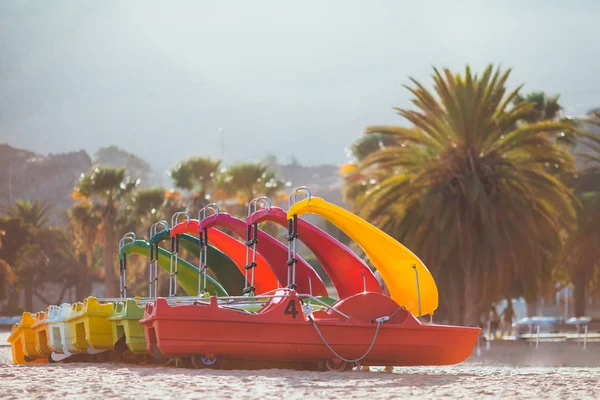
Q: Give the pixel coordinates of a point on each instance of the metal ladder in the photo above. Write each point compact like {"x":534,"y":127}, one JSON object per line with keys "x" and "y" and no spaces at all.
{"x":153,"y":274}
{"x":292,"y":239}
{"x":203,"y":253}
{"x":251,"y":241}
{"x":174,"y":265}
{"x":129,"y":237}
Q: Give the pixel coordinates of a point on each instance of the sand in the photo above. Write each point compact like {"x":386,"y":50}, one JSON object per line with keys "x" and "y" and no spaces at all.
{"x":511,"y":370}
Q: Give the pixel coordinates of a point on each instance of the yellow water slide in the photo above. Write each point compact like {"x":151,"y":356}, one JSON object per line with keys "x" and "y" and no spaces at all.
{"x":398,"y":266}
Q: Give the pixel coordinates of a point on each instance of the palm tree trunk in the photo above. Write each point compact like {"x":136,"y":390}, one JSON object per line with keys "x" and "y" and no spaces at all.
{"x":456,"y":301}
{"x":471,"y":299}
{"x":28,"y":296}
{"x":580,"y":282}
{"x":109,"y":253}
{"x":84,"y":287}
{"x":12,"y":301}
{"x":532,"y":305}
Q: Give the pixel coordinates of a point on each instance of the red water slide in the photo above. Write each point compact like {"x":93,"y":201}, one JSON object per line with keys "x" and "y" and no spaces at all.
{"x":273,"y":251}
{"x":265,"y":279}
{"x":348,"y":273}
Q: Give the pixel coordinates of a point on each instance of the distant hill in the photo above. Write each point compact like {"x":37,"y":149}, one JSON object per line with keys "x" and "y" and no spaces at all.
{"x":323,"y":180}
{"x":31,"y":176}
{"x":51,"y":178}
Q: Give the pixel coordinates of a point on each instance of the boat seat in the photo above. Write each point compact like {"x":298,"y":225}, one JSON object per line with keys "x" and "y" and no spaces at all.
{"x":366,"y":307}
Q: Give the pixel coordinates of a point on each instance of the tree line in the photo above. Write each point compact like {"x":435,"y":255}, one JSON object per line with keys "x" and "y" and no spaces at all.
{"x":107,"y":203}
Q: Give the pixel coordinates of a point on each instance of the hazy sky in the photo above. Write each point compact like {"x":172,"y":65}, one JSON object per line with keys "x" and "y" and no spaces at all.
{"x":303,"y":78}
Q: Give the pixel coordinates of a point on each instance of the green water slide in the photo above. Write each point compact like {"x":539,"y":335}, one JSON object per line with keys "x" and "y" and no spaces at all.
{"x":187,"y":275}
{"x":223,"y":267}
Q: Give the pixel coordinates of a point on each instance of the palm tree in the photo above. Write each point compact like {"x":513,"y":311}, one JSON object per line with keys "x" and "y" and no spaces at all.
{"x":36,"y":214}
{"x":582,"y":252}
{"x":355,"y":181}
{"x":105,"y":188}
{"x":248,"y":180}
{"x":7,"y":277}
{"x":144,"y":207}
{"x":469,"y":188}
{"x":85,"y":232}
{"x":197,"y":175}
{"x":548,"y":108}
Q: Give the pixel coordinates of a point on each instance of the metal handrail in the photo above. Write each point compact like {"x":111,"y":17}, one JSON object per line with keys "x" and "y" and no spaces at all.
{"x":261,"y":298}
{"x":257,"y":202}
{"x":294,"y":194}
{"x":175,"y":217}
{"x":154,"y":228}
{"x":211,"y":206}
{"x":418,"y":289}
{"x":129,"y":235}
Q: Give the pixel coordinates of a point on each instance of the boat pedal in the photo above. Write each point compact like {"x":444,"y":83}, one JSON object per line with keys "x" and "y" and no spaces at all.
{"x":92,"y":350}
{"x":56,"y":357}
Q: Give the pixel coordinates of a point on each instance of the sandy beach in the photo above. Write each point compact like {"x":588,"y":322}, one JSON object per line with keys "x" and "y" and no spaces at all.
{"x":507,"y":370}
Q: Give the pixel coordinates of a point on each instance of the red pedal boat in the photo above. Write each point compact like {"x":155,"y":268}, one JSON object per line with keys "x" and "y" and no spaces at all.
{"x":366,"y":328}
{"x":369,"y":328}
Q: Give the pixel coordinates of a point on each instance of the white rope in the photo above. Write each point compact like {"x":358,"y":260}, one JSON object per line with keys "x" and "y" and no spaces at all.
{"x":379,"y":322}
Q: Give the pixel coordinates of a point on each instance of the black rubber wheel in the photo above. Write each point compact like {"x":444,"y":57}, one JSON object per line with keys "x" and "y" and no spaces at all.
{"x":212,"y":362}
{"x":332,"y":365}
{"x":29,"y":359}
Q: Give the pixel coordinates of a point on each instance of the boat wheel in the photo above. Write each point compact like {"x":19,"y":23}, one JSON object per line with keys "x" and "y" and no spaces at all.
{"x":202,"y":361}
{"x":158,"y":355}
{"x":105,"y":356}
{"x":332,"y":365}
{"x":182,"y":362}
{"x":122,"y":351}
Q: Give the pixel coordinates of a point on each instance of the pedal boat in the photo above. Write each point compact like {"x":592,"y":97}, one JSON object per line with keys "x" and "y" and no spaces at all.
{"x":91,"y":331}
{"x":22,"y":342}
{"x":42,"y":334}
{"x":126,"y":327}
{"x":59,"y":330}
{"x":367,"y":326}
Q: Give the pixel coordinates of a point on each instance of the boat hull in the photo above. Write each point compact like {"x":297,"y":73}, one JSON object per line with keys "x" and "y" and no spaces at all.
{"x":125,"y":324}
{"x":277,"y":334}
{"x":22,"y":342}
{"x":89,"y":326}
{"x":41,"y":336}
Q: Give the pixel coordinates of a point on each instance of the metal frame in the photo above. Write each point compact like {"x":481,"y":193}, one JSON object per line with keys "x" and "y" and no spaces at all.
{"x":234,"y":300}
